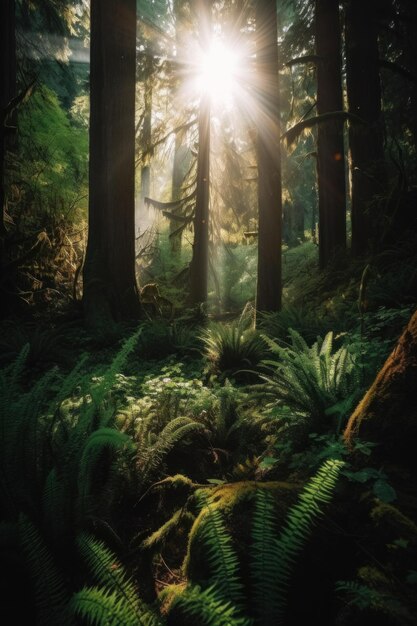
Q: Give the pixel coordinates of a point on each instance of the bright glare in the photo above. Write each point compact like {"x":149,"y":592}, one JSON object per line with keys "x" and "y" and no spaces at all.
{"x":217,"y":73}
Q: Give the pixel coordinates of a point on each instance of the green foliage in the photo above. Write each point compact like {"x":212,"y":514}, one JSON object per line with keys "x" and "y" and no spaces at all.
{"x":59,"y":442}
{"x":263,"y":558}
{"x":232,"y":347}
{"x":221,"y":557}
{"x":152,"y":451}
{"x":99,"y":607}
{"x":160,"y":339}
{"x":300,"y":519}
{"x":305,"y":321}
{"x":50,"y":592}
{"x":116,"y":599}
{"x":47,"y":346}
{"x":207,"y":607}
{"x":272,"y":557}
{"x":380,"y":485}
{"x":315,"y":381}
{"x":53,"y":154}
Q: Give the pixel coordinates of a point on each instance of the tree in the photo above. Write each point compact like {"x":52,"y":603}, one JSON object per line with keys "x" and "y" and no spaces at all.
{"x":7,"y":82}
{"x":146,"y":134}
{"x":199,"y":261}
{"x":366,"y":141}
{"x":330,"y":145}
{"x":268,"y":296}
{"x":110,"y":290}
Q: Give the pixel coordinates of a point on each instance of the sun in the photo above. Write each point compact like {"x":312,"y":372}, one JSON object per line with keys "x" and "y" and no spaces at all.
{"x":217,"y":73}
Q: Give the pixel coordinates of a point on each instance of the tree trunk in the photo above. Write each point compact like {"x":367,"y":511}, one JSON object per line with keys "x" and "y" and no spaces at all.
{"x":180,"y":152}
{"x":387,"y":415}
{"x":268,"y":296}
{"x":199,"y":261}
{"x":145,"y":175}
{"x":110,"y":290}
{"x":366,"y":141}
{"x":8,"y":84}
{"x":7,"y":93}
{"x":330,"y":145}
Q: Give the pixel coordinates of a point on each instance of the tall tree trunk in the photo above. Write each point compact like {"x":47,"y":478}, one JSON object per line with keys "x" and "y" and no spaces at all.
{"x":7,"y":84}
{"x":110,"y":291}
{"x":145,"y":175}
{"x":199,"y":261}
{"x":7,"y":93}
{"x":330,"y":145}
{"x":366,"y":141}
{"x":268,"y":296}
{"x":409,"y":56}
{"x":177,"y":181}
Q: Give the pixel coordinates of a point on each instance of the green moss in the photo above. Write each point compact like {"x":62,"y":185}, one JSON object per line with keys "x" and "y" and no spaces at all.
{"x":384,"y":514}
{"x":180,"y":522}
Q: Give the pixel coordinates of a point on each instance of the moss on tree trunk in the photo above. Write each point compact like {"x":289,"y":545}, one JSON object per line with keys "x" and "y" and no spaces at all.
{"x":387,"y":414}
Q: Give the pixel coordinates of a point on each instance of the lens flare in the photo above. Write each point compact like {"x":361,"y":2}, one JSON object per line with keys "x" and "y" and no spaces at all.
{"x":217,"y":72}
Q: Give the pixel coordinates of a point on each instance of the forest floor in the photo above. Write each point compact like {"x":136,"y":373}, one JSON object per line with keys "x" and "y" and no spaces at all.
{"x":207,"y":459}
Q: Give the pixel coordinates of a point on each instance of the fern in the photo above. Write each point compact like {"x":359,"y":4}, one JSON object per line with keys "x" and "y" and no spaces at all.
{"x":117,"y":598}
{"x":297,"y":528}
{"x":51,"y":595}
{"x":104,"y":567}
{"x":151,"y":456}
{"x":108,"y":379}
{"x":264,"y":558}
{"x":100,"y":607}
{"x":99,"y":440}
{"x":207,"y":607}
{"x":310,"y":381}
{"x":221,"y":557}
{"x":232,"y":347}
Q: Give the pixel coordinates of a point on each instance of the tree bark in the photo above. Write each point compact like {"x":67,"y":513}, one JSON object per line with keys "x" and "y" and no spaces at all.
{"x":199,"y":261}
{"x":110,"y":290}
{"x":7,"y":93}
{"x":387,"y":415}
{"x":145,"y":175}
{"x":180,"y":157}
{"x":330,"y":144}
{"x":7,"y":82}
{"x":366,"y":142}
{"x":268,"y":297}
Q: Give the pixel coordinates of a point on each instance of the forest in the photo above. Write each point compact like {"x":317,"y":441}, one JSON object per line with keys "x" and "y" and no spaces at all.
{"x":208,"y":312}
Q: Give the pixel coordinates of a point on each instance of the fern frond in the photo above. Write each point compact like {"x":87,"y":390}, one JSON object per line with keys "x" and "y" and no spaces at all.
{"x":264,"y":558}
{"x":221,"y":556}
{"x":151,"y":457}
{"x":105,"y":568}
{"x":107,"y":381}
{"x":100,"y":607}
{"x":207,"y":607}
{"x":51,"y":594}
{"x":99,"y":440}
{"x":300,"y":519}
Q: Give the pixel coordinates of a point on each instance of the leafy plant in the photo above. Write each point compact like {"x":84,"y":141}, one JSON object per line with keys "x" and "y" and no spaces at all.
{"x":116,"y":600}
{"x":314,"y":382}
{"x":232,"y":347}
{"x":272,"y":558}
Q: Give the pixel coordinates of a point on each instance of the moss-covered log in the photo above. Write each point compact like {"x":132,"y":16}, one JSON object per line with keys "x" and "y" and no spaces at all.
{"x":387,"y":414}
